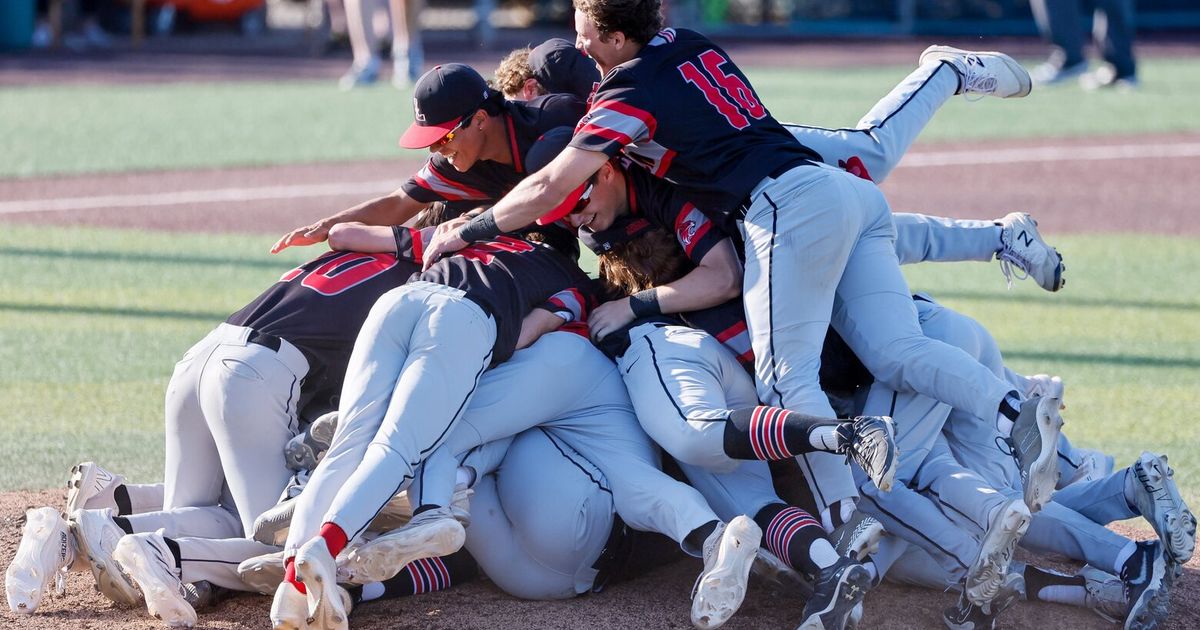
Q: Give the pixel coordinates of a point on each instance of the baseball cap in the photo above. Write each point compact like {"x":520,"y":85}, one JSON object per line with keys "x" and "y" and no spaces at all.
{"x":442,"y":98}
{"x":547,"y":147}
{"x":563,"y":69}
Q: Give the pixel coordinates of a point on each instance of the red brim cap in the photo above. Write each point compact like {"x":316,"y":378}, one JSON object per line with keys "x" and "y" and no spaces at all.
{"x":564,"y":208}
{"x":423,"y":136}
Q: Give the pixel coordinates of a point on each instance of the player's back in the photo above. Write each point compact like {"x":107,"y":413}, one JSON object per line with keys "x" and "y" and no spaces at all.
{"x":686,"y":112}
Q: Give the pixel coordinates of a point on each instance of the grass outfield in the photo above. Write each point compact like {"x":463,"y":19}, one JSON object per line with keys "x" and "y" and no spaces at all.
{"x":113,"y":128}
{"x":89,"y":336}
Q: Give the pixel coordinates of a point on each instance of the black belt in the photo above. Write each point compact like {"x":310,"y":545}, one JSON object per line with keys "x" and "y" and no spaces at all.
{"x":264,"y":340}
{"x":744,"y":207}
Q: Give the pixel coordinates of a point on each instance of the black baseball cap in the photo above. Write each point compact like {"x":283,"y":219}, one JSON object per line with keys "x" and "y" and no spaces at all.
{"x":563,"y":69}
{"x":542,"y":153}
{"x":443,"y":97}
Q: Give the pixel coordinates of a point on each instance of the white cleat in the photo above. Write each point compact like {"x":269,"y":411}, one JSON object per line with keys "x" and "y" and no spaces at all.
{"x":315,"y":567}
{"x":1034,"y":443}
{"x":45,"y":553}
{"x":398,"y":512}
{"x":728,"y":554}
{"x":872,"y":445}
{"x":263,"y":574}
{"x":986,"y":73}
{"x":858,"y":537}
{"x":1104,"y":594}
{"x":1093,"y":466}
{"x":1021,"y":246}
{"x":1159,"y":502}
{"x":148,"y":560}
{"x":89,"y":481}
{"x":289,"y":609}
{"x":429,"y":534}
{"x":776,"y":575}
{"x":96,"y":537}
{"x":986,"y":576}
{"x":1046,"y":386}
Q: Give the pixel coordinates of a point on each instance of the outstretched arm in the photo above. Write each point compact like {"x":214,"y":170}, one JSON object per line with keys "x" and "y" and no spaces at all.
{"x":393,"y":209}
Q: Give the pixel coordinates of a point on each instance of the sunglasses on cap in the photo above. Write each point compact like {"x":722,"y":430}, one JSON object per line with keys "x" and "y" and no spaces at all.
{"x":466,"y":122}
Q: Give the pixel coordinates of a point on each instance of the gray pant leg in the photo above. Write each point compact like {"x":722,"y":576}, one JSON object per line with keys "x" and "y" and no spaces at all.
{"x":200,"y":522}
{"x":1061,"y":22}
{"x":1057,"y":529}
{"x":217,"y":561}
{"x":884,"y":134}
{"x":961,"y":494}
{"x":911,"y":516}
{"x":922,"y":238}
{"x":1102,"y":501}
{"x":1115,"y":22}
{"x":192,"y":470}
{"x":539,"y":524}
{"x":916,"y":567}
{"x":747,"y":489}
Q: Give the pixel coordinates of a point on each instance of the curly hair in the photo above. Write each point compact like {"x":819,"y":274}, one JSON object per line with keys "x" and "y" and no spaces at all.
{"x":651,"y":259}
{"x":513,"y":71}
{"x":639,"y":20}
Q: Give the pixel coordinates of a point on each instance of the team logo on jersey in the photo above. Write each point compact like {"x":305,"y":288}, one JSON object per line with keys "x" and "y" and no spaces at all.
{"x":417,"y":111}
{"x":687,"y":231}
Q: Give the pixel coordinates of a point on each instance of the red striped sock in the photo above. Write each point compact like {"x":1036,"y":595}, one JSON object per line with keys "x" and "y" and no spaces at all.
{"x":788,"y":533}
{"x":428,"y":575}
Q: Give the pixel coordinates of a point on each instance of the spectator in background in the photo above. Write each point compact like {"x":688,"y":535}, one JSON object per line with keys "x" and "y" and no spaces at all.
{"x":553,"y":67}
{"x":408,"y":53}
{"x":1061,"y":21}
{"x":90,"y":35}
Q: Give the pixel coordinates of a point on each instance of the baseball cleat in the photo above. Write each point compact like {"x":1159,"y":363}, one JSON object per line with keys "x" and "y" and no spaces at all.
{"x":871,"y":443}
{"x":96,"y":537}
{"x":316,"y":568}
{"x":1159,"y":502}
{"x":966,"y":615}
{"x":148,"y":560}
{"x":305,"y":450}
{"x":45,"y":553}
{"x":839,"y":589}
{"x":1092,"y":466}
{"x":1021,"y":246}
{"x":204,"y":594}
{"x":271,"y":527}
{"x":262,"y":574}
{"x":1147,"y":577}
{"x":1034,"y":444}
{"x":1046,"y":386}
{"x":858,"y":537}
{"x":777,"y":576}
{"x":398,"y":512}
{"x":728,"y":554}
{"x":289,"y":608}
{"x":985,"y":73}
{"x":986,"y":577}
{"x":429,"y":534}
{"x":89,"y":481}
{"x":1104,"y":594}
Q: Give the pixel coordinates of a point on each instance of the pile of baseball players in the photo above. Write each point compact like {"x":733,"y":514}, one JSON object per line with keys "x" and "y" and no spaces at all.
{"x":445,"y":394}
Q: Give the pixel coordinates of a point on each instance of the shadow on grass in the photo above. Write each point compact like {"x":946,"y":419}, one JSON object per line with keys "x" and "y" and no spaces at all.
{"x":56,"y":309}
{"x":1130,"y":360}
{"x":1068,"y":300}
{"x":154,"y":259}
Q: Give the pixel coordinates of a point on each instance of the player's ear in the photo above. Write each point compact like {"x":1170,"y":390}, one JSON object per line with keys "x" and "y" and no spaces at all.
{"x":615,"y":38}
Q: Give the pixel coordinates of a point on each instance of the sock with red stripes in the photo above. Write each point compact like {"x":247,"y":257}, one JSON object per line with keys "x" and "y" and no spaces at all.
{"x":422,"y":576}
{"x":795,"y":537}
{"x":772,"y":433}
{"x":335,"y":538}
{"x":289,"y":574}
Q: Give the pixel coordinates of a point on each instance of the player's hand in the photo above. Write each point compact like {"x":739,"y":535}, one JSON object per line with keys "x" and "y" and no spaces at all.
{"x":609,"y":317}
{"x":308,"y":235}
{"x":445,"y":242}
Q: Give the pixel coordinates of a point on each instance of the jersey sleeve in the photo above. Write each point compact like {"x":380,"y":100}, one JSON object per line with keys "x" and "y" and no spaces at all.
{"x":620,"y":114}
{"x":569,"y":304}
{"x":439,"y":181}
{"x":410,"y":243}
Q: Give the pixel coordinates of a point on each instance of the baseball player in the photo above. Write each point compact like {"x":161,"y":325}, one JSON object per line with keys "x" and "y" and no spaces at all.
{"x":827,"y":234}
{"x":477,"y":140}
{"x":553,"y":67}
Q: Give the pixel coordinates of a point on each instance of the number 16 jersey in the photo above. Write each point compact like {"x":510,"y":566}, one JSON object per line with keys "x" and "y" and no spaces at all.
{"x":683,"y":110}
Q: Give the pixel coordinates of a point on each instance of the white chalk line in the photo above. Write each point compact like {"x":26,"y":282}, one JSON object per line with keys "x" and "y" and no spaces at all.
{"x":365,"y":189}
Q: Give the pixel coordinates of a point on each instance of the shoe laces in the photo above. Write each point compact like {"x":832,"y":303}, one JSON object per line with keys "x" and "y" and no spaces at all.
{"x":1013,"y":265}
{"x":976,"y":82}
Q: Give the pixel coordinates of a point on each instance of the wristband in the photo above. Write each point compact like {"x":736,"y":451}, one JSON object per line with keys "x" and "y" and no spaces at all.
{"x":645,"y":303}
{"x":481,"y":228}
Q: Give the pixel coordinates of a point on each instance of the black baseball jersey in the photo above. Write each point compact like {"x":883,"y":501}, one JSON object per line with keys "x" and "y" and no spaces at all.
{"x":320,"y":306}
{"x":683,"y":110}
{"x":487,"y":181}
{"x":508,"y":277}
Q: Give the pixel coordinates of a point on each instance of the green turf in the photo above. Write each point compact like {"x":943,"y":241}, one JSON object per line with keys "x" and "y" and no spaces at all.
{"x":106,"y":128}
{"x":89,"y":335}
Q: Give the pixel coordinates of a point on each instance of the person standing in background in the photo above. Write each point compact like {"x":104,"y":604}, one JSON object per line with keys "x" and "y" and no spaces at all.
{"x":408,"y":53}
{"x":1060,"y":21}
